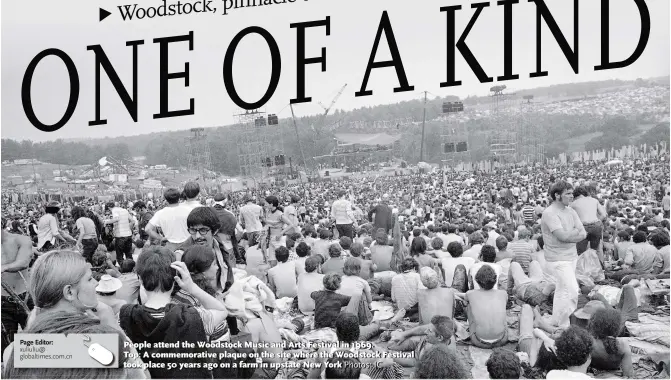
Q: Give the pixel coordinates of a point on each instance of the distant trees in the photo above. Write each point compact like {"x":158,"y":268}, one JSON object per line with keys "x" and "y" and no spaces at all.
{"x":657,"y":134}
{"x":61,"y":152}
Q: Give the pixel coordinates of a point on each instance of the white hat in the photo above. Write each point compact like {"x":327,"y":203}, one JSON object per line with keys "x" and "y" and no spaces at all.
{"x":108,"y":284}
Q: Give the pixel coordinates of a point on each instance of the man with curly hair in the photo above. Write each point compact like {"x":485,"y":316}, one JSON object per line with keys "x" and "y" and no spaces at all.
{"x":574,"y":349}
{"x":503,"y":364}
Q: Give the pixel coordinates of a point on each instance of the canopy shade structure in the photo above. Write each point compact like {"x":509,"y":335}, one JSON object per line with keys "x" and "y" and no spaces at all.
{"x":366,"y":138}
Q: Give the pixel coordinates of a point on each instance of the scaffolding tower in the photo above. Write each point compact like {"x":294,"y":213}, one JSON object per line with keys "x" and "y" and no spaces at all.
{"x":503,"y":146}
{"x":530,"y":142}
{"x":260,"y":145}
{"x":454,"y":142}
{"x":198,"y":152}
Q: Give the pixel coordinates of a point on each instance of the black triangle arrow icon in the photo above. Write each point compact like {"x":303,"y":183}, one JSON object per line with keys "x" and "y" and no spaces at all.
{"x":103,"y":14}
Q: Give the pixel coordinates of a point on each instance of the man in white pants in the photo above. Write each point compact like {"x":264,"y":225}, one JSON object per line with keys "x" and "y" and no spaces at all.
{"x":562,"y":229}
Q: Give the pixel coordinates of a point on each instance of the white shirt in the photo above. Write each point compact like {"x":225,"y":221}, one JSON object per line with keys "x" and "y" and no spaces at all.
{"x":47,"y":226}
{"x":450,"y":264}
{"x":122,"y":226}
{"x":557,"y":374}
{"x":172,"y":221}
{"x":473,"y":252}
{"x":250,"y":216}
{"x":476,"y":267}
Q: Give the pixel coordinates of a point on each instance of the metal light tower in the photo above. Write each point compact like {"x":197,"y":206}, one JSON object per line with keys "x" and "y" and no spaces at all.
{"x":198,"y":152}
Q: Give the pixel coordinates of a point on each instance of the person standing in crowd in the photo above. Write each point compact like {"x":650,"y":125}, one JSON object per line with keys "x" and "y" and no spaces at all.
{"x":278,"y":225}
{"x":169,"y":220}
{"x":87,"y":241}
{"x":591,"y":213}
{"x":291,"y":213}
{"x":191,"y":192}
{"x":229,"y":230}
{"x":123,"y":231}
{"x":562,"y":230}
{"x":47,"y":229}
{"x":381,"y":215}
{"x":342,"y":213}
{"x":143,"y":218}
{"x":250,"y":216}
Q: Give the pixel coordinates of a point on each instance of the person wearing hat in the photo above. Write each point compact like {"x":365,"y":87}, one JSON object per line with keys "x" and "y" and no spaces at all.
{"x":582,"y":315}
{"x":47,"y":229}
{"x":106,"y":292}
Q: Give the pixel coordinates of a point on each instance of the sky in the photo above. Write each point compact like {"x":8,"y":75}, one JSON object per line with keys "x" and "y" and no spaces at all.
{"x":30,"y":26}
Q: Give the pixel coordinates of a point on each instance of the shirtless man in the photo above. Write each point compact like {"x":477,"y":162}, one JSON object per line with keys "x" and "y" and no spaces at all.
{"x":17,"y":252}
{"x":486,"y":310}
{"x":434,"y":300}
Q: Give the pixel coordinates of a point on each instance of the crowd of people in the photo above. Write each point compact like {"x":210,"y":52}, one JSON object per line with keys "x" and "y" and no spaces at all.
{"x":410,"y":265}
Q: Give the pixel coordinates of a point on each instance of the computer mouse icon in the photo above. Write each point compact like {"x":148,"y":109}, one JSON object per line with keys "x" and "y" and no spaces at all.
{"x":101,"y":354}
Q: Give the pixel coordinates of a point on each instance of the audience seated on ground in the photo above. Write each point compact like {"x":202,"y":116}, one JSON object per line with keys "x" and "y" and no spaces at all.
{"x":309,"y":282}
{"x":419,"y":339}
{"x":440,"y":362}
{"x":435,"y":299}
{"x":487,"y":257}
{"x":486,"y":310}
{"x":282,"y":277}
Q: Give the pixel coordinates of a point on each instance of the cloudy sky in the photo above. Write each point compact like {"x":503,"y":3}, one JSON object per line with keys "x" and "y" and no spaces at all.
{"x":30,"y":26}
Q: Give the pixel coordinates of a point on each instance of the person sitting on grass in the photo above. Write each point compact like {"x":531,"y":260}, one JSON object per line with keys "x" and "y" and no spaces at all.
{"x":487,"y":257}
{"x":421,"y":338}
{"x":367,"y":266}
{"x":486,"y":310}
{"x":609,"y":352}
{"x":349,"y":333}
{"x":328,"y":303}
{"x":435,"y":299}
{"x":303,"y":252}
{"x":336,"y":262}
{"x":440,"y":362}
{"x":504,"y":364}
{"x":574,"y":349}
{"x":282,"y":277}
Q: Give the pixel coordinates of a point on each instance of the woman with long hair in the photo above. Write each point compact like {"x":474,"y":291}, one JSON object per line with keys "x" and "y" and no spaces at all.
{"x":70,"y":322}
{"x":278,"y":224}
{"x":87,"y":241}
{"x":609,"y":352}
{"x":62,"y":284}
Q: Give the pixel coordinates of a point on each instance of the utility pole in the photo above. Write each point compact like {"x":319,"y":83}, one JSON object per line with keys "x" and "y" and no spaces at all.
{"x":298,"y":138}
{"x":421,"y":149}
{"x":32,"y":160}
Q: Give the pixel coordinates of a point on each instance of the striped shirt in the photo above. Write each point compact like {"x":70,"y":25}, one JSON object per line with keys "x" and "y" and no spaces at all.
{"x":122,"y":226}
{"x":211,"y":330}
{"x":341,"y":211}
{"x":404,"y":288}
{"x":523,"y":251}
{"x":528,"y":213}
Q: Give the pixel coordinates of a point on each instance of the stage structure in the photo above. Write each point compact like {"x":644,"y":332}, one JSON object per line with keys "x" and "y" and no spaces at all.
{"x":260,"y":145}
{"x":110,"y":165}
{"x":355,"y":151}
{"x":531,"y":147}
{"x":454,"y":136}
{"x":198,"y":152}
{"x":504,"y":138}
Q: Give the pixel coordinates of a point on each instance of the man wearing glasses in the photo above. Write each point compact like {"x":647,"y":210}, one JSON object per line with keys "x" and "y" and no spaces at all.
{"x":562,"y":229}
